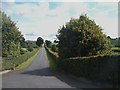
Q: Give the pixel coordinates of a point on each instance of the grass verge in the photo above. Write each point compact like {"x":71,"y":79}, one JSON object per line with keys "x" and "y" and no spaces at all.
{"x":27,"y":63}
{"x":52,"y":64}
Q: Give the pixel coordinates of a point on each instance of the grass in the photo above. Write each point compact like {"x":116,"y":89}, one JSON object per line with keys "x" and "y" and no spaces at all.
{"x":24,"y":49}
{"x":27,"y":63}
{"x":53,"y":66}
{"x":115,"y":42}
{"x":116,"y":50}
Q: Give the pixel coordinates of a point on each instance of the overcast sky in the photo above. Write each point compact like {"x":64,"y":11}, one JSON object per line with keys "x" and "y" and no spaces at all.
{"x":44,"y":18}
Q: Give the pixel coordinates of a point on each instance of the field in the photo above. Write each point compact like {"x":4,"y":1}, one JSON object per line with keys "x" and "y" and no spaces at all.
{"x":115,"y":42}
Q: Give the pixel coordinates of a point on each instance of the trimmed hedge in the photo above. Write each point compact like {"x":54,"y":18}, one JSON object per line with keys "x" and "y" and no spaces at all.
{"x":101,"y":68}
{"x":10,"y":63}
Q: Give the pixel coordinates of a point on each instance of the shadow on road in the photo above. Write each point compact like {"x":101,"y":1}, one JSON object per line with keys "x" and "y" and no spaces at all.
{"x":71,"y":81}
{"x":40,"y":72}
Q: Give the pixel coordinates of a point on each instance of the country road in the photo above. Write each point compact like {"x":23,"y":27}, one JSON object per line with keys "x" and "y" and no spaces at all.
{"x":39,"y":75}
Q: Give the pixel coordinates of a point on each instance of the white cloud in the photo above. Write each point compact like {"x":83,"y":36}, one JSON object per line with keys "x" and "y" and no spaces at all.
{"x":8,"y":0}
{"x":109,"y":25}
{"x":44,"y":22}
{"x":110,"y":4}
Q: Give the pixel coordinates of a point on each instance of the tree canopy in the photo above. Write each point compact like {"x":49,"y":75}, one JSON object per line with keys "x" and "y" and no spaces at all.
{"x":82,"y":37}
{"x":11,"y":36}
{"x":48,"y":43}
{"x":39,"y":41}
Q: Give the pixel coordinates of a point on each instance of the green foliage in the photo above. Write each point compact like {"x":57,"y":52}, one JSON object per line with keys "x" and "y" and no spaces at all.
{"x":101,"y":67}
{"x":53,"y":64}
{"x":82,"y":37}
{"x":116,"y":50}
{"x":12,"y":62}
{"x":55,"y":41}
{"x":31,"y":44}
{"x":104,"y":68}
{"x":115,"y":42}
{"x":10,"y":37}
{"x":39,"y":41}
{"x":48,"y":43}
{"x":35,"y":46}
{"x":23,"y":43}
{"x":53,"y":58}
{"x":30,"y":48}
{"x":23,"y":50}
{"x":54,"y":48}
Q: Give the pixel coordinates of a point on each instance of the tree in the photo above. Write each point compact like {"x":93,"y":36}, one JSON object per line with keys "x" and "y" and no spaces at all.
{"x":39,"y":41}
{"x":54,"y":48}
{"x":108,"y":37}
{"x":55,"y":41}
{"x":48,"y":43}
{"x":23,"y":43}
{"x":82,"y":37}
{"x":10,"y":36}
{"x":30,"y":48}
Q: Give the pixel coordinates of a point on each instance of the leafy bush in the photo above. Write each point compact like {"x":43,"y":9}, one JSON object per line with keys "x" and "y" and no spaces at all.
{"x":54,"y":48}
{"x":82,"y":37}
{"x":23,"y":50}
{"x":30,"y":48}
{"x":35,"y":46}
{"x":48,"y":43}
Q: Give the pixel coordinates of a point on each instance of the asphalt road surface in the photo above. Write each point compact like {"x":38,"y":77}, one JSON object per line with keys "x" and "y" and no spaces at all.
{"x":39,"y":75}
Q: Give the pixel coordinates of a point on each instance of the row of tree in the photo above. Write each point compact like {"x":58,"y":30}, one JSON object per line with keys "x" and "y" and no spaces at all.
{"x":13,"y":42}
{"x":79,"y":37}
{"x":53,"y":46}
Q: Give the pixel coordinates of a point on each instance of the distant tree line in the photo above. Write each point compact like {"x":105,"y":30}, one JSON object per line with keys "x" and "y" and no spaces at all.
{"x":53,"y":46}
{"x":115,"y":41}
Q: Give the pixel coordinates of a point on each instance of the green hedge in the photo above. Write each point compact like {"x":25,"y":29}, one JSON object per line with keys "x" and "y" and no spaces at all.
{"x":10,"y":63}
{"x":101,"y":68}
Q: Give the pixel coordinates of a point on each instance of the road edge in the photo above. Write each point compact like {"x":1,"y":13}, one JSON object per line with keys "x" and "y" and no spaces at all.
{"x":27,"y":62}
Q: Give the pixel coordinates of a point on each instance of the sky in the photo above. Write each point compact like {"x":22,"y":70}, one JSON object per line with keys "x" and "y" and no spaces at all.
{"x":43,"y":19}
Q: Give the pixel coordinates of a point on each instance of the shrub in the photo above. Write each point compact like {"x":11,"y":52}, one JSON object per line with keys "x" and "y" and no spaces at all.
{"x":54,"y":48}
{"x":23,"y":50}
{"x":35,"y":46}
{"x":48,"y":43}
{"x":30,"y":48}
{"x":82,"y":37}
